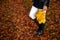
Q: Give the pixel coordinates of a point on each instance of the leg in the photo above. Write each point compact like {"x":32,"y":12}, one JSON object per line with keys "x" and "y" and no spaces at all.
{"x":40,"y":29}
{"x":41,"y":26}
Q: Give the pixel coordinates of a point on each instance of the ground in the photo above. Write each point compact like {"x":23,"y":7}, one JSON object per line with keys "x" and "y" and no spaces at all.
{"x":15,"y":23}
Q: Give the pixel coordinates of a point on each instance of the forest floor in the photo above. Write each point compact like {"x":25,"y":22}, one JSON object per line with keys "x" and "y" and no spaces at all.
{"x":15,"y":23}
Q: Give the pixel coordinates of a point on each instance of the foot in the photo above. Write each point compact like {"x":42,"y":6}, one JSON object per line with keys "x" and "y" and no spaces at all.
{"x":39,"y":33}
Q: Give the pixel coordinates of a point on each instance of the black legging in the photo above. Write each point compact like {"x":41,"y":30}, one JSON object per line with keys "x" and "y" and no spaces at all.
{"x":40,"y":26}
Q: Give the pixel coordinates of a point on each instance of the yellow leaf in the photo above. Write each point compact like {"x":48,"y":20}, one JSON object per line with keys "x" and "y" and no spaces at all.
{"x":40,"y":15}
